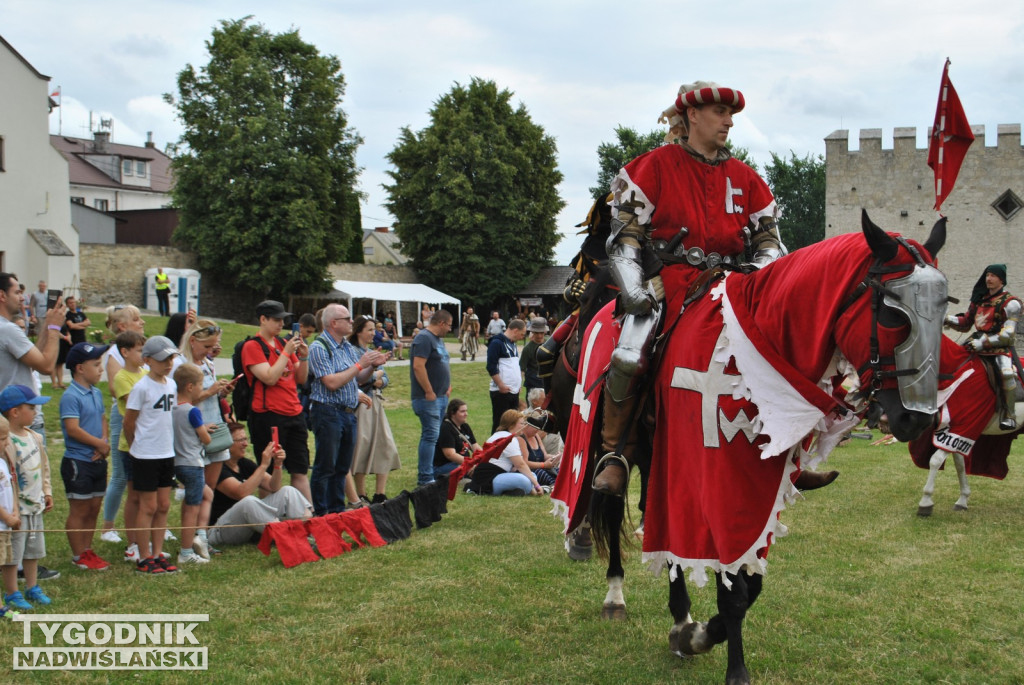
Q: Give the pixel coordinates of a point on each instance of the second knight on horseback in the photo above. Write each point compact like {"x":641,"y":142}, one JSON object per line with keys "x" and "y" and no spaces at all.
{"x":994,"y":314}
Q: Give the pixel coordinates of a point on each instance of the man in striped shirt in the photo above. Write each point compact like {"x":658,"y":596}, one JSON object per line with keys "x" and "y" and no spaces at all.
{"x":338,"y":369}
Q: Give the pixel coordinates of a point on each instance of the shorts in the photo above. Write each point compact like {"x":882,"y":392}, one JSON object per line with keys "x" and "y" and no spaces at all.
{"x":149,"y":475}
{"x":6,"y":550}
{"x":216,"y":457}
{"x":84,"y":479}
{"x":194,"y":481}
{"x":292,"y":433}
{"x":29,"y":545}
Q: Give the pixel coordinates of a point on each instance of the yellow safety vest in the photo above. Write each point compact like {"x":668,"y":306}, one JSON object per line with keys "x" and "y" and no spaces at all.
{"x":163,"y":282}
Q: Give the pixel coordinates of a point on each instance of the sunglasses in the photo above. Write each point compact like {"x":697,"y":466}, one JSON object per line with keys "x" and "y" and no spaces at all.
{"x":207,"y":330}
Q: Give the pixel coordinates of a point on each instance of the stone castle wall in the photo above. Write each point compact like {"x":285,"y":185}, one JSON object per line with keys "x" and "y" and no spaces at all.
{"x":897,"y":188}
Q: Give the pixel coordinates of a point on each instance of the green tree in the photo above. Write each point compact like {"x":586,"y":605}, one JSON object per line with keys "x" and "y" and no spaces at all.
{"x":266,"y":175}
{"x":799,"y":188}
{"x":611,"y":157}
{"x":475,"y":194}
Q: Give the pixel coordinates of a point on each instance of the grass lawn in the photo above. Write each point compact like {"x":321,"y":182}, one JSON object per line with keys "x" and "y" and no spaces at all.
{"x":861,"y":591}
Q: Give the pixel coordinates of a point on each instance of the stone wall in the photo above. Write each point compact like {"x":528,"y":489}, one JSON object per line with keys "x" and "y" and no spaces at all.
{"x":897,"y":188}
{"x":115,"y":274}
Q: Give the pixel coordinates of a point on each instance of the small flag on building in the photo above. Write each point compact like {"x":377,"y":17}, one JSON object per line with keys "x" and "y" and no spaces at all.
{"x":951,"y":136}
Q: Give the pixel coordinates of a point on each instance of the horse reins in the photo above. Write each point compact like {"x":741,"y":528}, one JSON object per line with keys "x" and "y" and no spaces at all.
{"x":872,"y":281}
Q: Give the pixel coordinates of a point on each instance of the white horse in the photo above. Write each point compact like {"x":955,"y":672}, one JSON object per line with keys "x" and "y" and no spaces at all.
{"x":968,"y":430}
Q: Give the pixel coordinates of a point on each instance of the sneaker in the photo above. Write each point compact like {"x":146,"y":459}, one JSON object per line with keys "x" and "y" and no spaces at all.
{"x":162,"y":562}
{"x":168,"y":535}
{"x":201,"y":547}
{"x":131,"y":553}
{"x":214,"y":552}
{"x":190,"y":558}
{"x":42,"y":573}
{"x":149,"y":566}
{"x":16,"y":600}
{"x":37,"y":595}
{"x":110,"y":536}
{"x":89,"y":561}
{"x":365,"y":500}
{"x":379,"y":498}
{"x":8,"y":613}
{"x":47,"y":573}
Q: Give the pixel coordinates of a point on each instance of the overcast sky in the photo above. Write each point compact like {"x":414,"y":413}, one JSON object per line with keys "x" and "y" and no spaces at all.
{"x":806,"y":68}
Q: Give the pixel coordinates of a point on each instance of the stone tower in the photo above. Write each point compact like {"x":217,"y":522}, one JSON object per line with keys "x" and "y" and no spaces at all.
{"x":896,"y":186}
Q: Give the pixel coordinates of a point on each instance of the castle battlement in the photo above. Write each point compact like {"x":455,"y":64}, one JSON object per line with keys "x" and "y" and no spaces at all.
{"x":896,"y":186}
{"x":904,"y":139}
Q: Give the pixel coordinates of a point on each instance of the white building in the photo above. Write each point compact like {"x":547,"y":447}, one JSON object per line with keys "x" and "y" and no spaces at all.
{"x":37,"y":240}
{"x":113,"y":177}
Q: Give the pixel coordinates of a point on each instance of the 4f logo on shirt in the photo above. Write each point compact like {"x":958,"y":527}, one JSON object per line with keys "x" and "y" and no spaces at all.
{"x":733,"y":198}
{"x":165,"y":403}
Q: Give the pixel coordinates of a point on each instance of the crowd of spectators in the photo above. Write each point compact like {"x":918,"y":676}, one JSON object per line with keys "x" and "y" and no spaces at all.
{"x":169,"y":424}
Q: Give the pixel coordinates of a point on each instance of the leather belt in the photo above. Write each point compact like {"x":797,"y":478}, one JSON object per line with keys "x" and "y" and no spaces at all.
{"x":347,"y":410}
{"x":693,"y":256}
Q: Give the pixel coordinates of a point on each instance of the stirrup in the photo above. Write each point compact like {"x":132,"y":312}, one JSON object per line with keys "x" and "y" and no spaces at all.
{"x":610,"y":488}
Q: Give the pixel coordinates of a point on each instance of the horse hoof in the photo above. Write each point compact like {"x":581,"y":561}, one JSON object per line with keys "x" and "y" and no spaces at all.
{"x":689,"y":639}
{"x":959,"y":507}
{"x":925,"y":511}
{"x":742,"y":678}
{"x":613,"y":612}
{"x":580,"y":552}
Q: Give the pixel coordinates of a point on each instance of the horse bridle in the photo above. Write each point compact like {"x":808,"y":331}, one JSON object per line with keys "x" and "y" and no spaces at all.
{"x":883,"y":368}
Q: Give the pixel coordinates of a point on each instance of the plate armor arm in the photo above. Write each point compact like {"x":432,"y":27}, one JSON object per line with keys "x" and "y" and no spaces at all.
{"x":765,"y":242}
{"x":625,"y":259}
{"x":960,"y":322}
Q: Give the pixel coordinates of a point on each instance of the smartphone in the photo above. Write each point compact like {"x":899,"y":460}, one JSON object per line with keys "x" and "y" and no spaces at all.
{"x":235,"y":379}
{"x":52,"y":296}
{"x":273,"y":437}
{"x":295,"y":329}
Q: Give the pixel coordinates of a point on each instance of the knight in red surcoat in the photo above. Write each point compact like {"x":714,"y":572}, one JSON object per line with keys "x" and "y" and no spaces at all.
{"x":994,"y":314}
{"x":677,"y":211}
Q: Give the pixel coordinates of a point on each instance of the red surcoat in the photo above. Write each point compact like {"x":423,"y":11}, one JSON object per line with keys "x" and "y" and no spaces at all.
{"x":715,"y":202}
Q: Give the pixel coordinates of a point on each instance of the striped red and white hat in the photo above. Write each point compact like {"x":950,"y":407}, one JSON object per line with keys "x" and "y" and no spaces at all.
{"x":706,"y":92}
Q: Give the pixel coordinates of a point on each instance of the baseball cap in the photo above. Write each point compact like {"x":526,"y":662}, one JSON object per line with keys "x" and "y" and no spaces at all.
{"x":159,"y":348}
{"x":272,"y":309}
{"x":83,"y":352}
{"x":17,"y":395}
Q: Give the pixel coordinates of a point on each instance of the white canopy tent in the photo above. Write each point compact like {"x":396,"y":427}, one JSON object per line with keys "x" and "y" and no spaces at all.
{"x":393,"y":292}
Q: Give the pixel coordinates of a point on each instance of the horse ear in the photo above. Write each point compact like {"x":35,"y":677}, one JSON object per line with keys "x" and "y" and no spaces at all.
{"x":882,"y":245}
{"x":937,"y":238}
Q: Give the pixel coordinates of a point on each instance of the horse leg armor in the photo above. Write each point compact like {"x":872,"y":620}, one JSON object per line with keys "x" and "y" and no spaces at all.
{"x":629,"y":363}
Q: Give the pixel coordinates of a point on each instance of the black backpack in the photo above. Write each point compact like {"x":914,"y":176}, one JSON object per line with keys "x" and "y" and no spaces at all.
{"x":241,"y":396}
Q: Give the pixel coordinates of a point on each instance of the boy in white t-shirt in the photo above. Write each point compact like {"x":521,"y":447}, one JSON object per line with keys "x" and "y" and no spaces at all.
{"x":149,"y":429}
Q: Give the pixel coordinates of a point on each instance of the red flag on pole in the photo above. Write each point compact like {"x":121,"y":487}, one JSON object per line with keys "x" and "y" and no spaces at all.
{"x":951,"y":136}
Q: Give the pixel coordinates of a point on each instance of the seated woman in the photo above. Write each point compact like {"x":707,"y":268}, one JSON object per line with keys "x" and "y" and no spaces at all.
{"x":553,"y":443}
{"x":507,"y":473}
{"x":383,"y":342}
{"x":543,"y":465}
{"x":456,"y":442}
{"x":246,"y":494}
